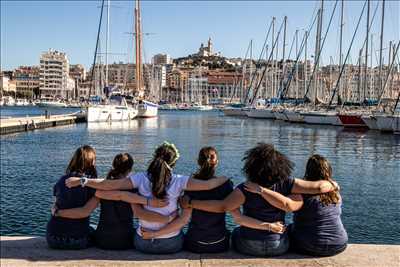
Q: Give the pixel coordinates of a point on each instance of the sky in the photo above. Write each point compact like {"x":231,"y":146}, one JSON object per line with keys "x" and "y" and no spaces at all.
{"x":28,"y":28}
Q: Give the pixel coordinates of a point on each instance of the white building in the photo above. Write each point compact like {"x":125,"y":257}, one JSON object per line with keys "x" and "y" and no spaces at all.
{"x":160,"y":75}
{"x":54,"y":75}
{"x":162,"y":59}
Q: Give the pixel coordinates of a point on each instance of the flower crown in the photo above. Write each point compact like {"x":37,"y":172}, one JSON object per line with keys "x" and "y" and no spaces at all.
{"x":172,"y":147}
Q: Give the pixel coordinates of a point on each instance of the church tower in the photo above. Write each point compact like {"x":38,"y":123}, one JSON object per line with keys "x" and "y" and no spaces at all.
{"x":209,"y":46}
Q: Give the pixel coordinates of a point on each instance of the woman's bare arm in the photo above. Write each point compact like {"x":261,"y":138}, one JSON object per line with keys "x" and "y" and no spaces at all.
{"x":301,"y":186}
{"x":132,"y":198}
{"x":151,"y":216}
{"x":176,"y":225}
{"x":78,"y":213}
{"x":243,"y":220}
{"x":101,"y":184}
{"x":200,"y":185}
{"x":233,"y":201}
{"x":290,"y":203}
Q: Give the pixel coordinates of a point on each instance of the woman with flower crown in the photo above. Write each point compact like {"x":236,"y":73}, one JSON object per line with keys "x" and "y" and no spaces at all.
{"x":158,"y":182}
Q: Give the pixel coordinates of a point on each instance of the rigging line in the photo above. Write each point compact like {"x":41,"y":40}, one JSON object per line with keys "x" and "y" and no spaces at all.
{"x":388,"y":74}
{"x":266,"y":66}
{"x":237,"y":79}
{"x":282,"y":91}
{"x":258,"y":62}
{"x":97,"y":46}
{"x":320,"y":50}
{"x":347,"y":55}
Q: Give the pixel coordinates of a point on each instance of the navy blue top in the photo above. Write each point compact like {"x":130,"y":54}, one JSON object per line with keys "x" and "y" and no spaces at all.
{"x":257,"y":207}
{"x":208,"y":226}
{"x":319,"y":224}
{"x":115,"y":229}
{"x":67,"y":198}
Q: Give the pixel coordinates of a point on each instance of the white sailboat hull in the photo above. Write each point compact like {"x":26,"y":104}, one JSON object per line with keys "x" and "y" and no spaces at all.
{"x":388,"y":123}
{"x":147,"y":110}
{"x":294,"y":116}
{"x":260,"y":113}
{"x":234,"y":112}
{"x":280,"y":115}
{"x":370,"y":121}
{"x":102,"y":113}
{"x":319,"y":118}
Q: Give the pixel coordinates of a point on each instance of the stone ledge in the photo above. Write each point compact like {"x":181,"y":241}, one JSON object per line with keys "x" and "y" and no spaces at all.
{"x":33,"y":251}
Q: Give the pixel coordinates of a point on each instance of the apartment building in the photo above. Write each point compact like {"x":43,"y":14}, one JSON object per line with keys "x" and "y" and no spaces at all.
{"x":54,"y":75}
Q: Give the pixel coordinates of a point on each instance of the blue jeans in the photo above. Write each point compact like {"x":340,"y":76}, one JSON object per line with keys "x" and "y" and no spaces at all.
{"x":159,"y":245}
{"x":197,"y":246}
{"x":259,"y":247}
{"x":316,"y":250}
{"x":308,"y":248}
{"x":61,"y":242}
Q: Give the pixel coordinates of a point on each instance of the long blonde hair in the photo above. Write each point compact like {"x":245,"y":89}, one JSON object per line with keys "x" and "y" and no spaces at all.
{"x":82,"y":162}
{"x":318,"y":168}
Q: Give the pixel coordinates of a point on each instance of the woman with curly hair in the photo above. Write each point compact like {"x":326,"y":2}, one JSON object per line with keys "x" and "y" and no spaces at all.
{"x":264,"y":167}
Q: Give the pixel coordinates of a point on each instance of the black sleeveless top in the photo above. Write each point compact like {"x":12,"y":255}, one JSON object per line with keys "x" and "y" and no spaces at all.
{"x":208,"y":226}
{"x":115,"y":229}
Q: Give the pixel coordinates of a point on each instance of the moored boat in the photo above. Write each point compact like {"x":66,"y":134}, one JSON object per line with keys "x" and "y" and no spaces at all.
{"x":260,"y":113}
{"x":352,"y":119}
{"x":147,"y":109}
{"x":115,"y":110}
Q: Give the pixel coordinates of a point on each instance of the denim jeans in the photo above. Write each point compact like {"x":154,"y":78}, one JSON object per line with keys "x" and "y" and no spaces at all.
{"x":308,"y":248}
{"x":196,"y":246}
{"x":259,"y":247}
{"x":159,"y":245}
{"x":316,"y":250}
{"x":61,"y":242}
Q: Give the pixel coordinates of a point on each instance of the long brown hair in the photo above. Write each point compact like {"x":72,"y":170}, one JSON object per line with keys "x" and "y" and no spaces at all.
{"x":206,"y":163}
{"x":82,"y":162}
{"x":121,"y":164}
{"x":160,"y":169}
{"x":264,"y":165}
{"x":319,"y":168}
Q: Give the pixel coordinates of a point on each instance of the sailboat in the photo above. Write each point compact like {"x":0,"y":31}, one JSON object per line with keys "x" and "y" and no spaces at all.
{"x":115,"y":107}
{"x":146,"y":108}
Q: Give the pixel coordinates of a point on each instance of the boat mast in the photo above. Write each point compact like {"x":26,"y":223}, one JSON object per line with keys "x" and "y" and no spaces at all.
{"x":297,"y":67}
{"x":305,"y":62}
{"x":317,"y":50}
{"x":95,"y":50}
{"x":283,"y":50}
{"x":340,"y":46}
{"x":107,"y":40}
{"x":380,"y":48}
{"x":138,"y":50}
{"x":366,"y":52}
{"x":272,"y":52}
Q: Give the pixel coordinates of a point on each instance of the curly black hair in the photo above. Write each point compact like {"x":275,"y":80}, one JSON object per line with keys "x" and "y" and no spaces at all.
{"x":265,"y":165}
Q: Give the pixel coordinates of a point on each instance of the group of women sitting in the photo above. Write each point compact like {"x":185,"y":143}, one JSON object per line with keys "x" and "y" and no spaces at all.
{"x":164,"y":202}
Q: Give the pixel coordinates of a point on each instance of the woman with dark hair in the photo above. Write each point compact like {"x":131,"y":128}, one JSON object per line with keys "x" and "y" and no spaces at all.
{"x":317,"y":228}
{"x":115,"y":229}
{"x":266,"y":167}
{"x":159,"y":182}
{"x":63,"y":233}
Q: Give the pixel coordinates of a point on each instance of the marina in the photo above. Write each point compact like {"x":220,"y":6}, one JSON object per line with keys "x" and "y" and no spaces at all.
{"x":365,"y":163}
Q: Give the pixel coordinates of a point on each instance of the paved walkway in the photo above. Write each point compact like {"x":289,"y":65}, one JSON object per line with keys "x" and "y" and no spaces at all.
{"x":33,"y":251}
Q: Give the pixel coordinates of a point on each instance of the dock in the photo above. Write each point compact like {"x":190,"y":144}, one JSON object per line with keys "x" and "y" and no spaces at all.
{"x":33,"y":251}
{"x":24,"y":124}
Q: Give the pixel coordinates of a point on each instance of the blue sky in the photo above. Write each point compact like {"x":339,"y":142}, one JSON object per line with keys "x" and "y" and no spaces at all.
{"x":31,"y":27}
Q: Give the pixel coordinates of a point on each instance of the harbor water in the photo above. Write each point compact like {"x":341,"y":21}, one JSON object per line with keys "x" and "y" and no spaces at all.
{"x":366,"y":164}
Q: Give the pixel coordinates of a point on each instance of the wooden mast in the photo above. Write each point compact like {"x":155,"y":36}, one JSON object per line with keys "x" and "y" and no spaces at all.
{"x":138,"y":46}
